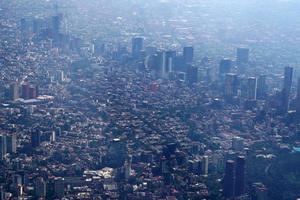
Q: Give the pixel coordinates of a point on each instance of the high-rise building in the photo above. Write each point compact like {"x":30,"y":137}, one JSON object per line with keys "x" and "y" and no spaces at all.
{"x":298,"y":97}
{"x":137,"y":46}
{"x":204,"y":165}
{"x":170,"y":56}
{"x":56,"y":22}
{"x":40,"y":187}
{"x":287,"y":85}
{"x":188,"y":54}
{"x":35,"y":138}
{"x":161,"y":63}
{"x":259,"y":192}
{"x":2,"y":146}
{"x":25,"y":91}
{"x":238,"y":144}
{"x":11,"y":143}
{"x":225,"y":67}
{"x":59,"y":187}
{"x":127,"y":169}
{"x":242,"y":56}
{"x":261,"y":92}
{"x":32,"y":92}
{"x":23,"y":25}
{"x":14,"y":91}
{"x":228,"y":184}
{"x":117,"y":153}
{"x":251,"y":88}
{"x":240,"y":176}
{"x":192,"y":74}
{"x":231,"y":85}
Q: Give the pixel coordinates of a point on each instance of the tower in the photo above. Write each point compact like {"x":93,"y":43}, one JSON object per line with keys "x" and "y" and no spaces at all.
{"x":261,"y":87}
{"x":188,"y":54}
{"x":192,"y":74}
{"x":11,"y":143}
{"x":204,"y":165}
{"x":231,"y":85}
{"x":225,"y":67}
{"x":25,"y":91}
{"x":298,"y":97}
{"x":242,"y":56}
{"x":2,"y":146}
{"x":228,"y":187}
{"x":40,"y":187}
{"x":59,"y":187}
{"x":251,"y":88}
{"x":170,"y":55}
{"x":240,"y":176}
{"x":287,"y":85}
{"x":35,"y":138}
{"x":14,"y":91}
{"x":137,"y":46}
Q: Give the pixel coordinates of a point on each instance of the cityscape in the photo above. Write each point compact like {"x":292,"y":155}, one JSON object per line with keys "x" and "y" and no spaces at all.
{"x":150,"y":100}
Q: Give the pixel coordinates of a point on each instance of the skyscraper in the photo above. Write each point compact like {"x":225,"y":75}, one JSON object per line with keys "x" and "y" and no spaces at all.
{"x":204,"y":165}
{"x":261,"y":87}
{"x":287,"y":85}
{"x":228,"y":184}
{"x":40,"y":187}
{"x":251,"y":88}
{"x":240,"y":176}
{"x":161,"y":62}
{"x":170,"y":56}
{"x":56,"y":21}
{"x":298,"y":97}
{"x":137,"y":46}
{"x":231,"y":85}
{"x":2,"y":146}
{"x":14,"y":91}
{"x":35,"y":138}
{"x":25,"y":91}
{"x":59,"y":187}
{"x":192,"y":74}
{"x":242,"y":56}
{"x":11,"y":143}
{"x":225,"y":67}
{"x":188,"y":54}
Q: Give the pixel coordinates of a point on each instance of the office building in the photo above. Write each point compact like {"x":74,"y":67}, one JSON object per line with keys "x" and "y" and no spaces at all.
{"x":137,"y":46}
{"x":35,"y":138}
{"x":188,"y":54}
{"x":225,"y":67}
{"x":2,"y":146}
{"x":261,"y":92}
{"x":204,"y":165}
{"x":240,"y":176}
{"x":242,"y":56}
{"x":59,"y":187}
{"x":32,"y":92}
{"x":40,"y":188}
{"x":117,"y":153}
{"x":170,"y":56}
{"x":287,"y":85}
{"x":161,"y":63}
{"x":238,"y":144}
{"x":228,"y":183}
{"x":25,"y":91}
{"x":298,"y":97}
{"x":251,"y":88}
{"x":259,"y":192}
{"x":14,"y":91}
{"x":231,"y":85}
{"x":11,"y":143}
{"x":192,"y":74}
